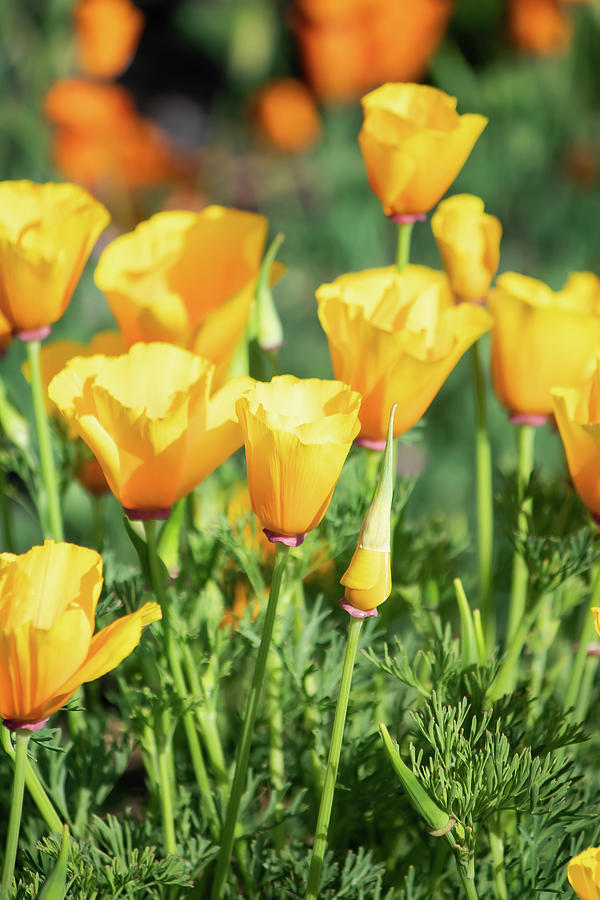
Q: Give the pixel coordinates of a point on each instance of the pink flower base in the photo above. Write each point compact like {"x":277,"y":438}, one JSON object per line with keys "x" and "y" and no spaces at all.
{"x":144,"y":515}
{"x":535,"y":419}
{"x":370,"y":443}
{"x":408,"y":218}
{"x":290,"y":540}
{"x":357,"y":613}
{"x":14,"y":725}
{"x":36,"y":334}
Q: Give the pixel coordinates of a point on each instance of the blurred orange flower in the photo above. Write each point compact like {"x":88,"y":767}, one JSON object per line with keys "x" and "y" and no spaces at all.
{"x":469,"y":243}
{"x":47,"y":232}
{"x":48,"y":648}
{"x":577,"y":412}
{"x":538,"y":26}
{"x":542,"y":339}
{"x":347,"y":48}
{"x":153,"y":287}
{"x":414,"y":144}
{"x":150,"y":420}
{"x":395,"y":337}
{"x":284,"y":113}
{"x":102,"y":142}
{"x":107,"y":33}
{"x":297,"y":434}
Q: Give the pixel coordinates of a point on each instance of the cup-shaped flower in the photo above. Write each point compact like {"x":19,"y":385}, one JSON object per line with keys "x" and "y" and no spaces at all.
{"x":149,"y":418}
{"x":577,"y":413}
{"x":151,"y":281}
{"x":47,"y":232}
{"x":395,"y":337}
{"x":469,"y":243}
{"x":48,"y":648}
{"x":541,"y":339}
{"x":368,"y":578}
{"x":297,"y":434}
{"x":414,"y":144}
{"x":583,"y":873}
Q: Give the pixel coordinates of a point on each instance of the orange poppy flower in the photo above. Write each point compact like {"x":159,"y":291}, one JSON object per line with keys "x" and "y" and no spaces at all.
{"x":47,"y":232}
{"x":469,"y":243}
{"x":150,"y":279}
{"x":48,"y":648}
{"x":414,"y":144}
{"x":403,"y":37}
{"x":151,"y":422}
{"x":541,"y":339}
{"x":395,"y":337}
{"x":297,"y":434}
{"x":538,"y":26}
{"x":107,"y":33}
{"x":284,"y":113}
{"x":102,"y":142}
{"x":335,"y":58}
{"x":577,"y":413}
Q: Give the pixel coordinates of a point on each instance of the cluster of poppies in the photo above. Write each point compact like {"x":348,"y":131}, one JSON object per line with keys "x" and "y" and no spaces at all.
{"x":163,"y":402}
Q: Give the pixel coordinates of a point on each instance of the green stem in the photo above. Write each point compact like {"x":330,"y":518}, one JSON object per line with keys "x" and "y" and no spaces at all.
{"x":163,"y":753}
{"x":465,"y":871}
{"x":55,"y":526}
{"x":275,"y":713}
{"x":585,"y":692}
{"x":206,"y":718}
{"x":9,"y":536}
{"x":520,"y":575}
{"x":174,"y":660}
{"x":497,"y":848}
{"x":16,"y":810}
{"x":243,"y":752}
{"x":33,"y":784}
{"x":403,"y":251}
{"x":485,"y":501}
{"x":587,"y":633}
{"x":335,"y":747}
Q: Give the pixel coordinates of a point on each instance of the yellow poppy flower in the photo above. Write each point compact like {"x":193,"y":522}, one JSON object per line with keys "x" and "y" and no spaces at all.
{"x":541,"y":339}
{"x":48,"y":648}
{"x":297,"y":434}
{"x":47,"y":232}
{"x":186,"y":278}
{"x":395,"y":337}
{"x":150,"y":420}
{"x":583,"y":873}
{"x":577,"y":412}
{"x":54,"y":356}
{"x":414,"y":144}
{"x":469,"y":243}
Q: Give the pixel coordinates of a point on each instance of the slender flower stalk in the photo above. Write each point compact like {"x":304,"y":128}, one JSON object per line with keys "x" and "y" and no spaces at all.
{"x":16,"y":809}
{"x":497,"y":849}
{"x":404,"y":238}
{"x":333,"y":760}
{"x":243,"y":751}
{"x":518,"y":594}
{"x":34,"y":786}
{"x":485,"y":501}
{"x":588,"y":631}
{"x":53,"y":527}
{"x":174,"y":659}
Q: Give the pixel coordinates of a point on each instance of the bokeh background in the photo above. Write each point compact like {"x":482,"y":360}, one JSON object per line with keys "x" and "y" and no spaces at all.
{"x":255,"y":104}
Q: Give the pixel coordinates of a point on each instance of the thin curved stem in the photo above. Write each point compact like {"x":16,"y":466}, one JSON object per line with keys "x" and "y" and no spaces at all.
{"x":243,"y":753}
{"x":518,"y":594}
{"x":403,"y":251}
{"x":55,"y":525}
{"x":485,"y":502}
{"x":335,"y":747}
{"x":16,"y":810}
{"x":34,"y":786}
{"x":587,"y":633}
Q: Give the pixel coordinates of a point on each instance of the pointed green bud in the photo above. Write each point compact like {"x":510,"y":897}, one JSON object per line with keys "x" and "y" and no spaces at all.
{"x":54,"y":886}
{"x":269,"y":331}
{"x":438,"y":821}
{"x":368,"y":578}
{"x":470,"y":654}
